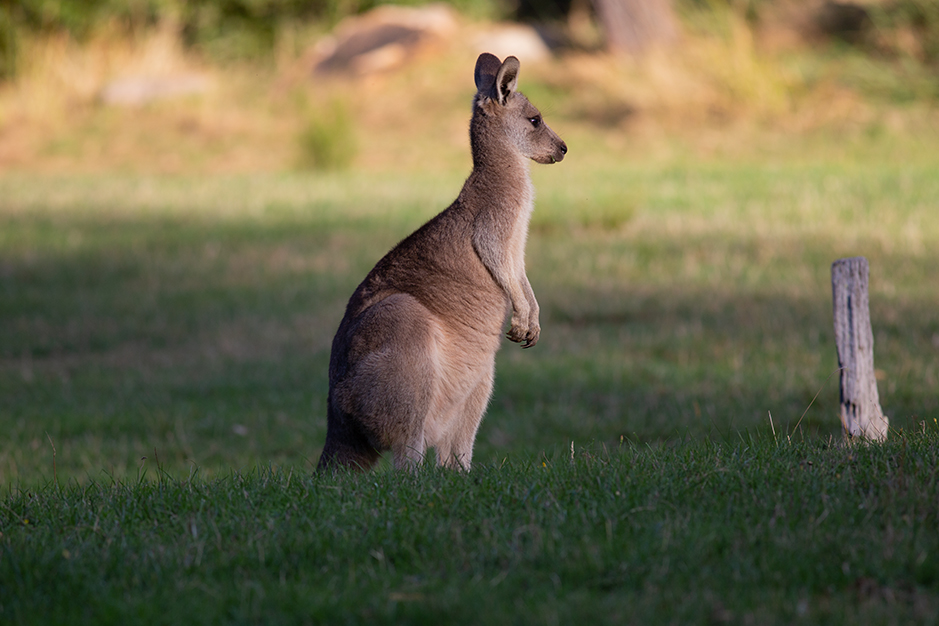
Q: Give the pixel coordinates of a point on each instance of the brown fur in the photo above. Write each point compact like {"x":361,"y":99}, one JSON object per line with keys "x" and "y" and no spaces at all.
{"x":412,"y":363}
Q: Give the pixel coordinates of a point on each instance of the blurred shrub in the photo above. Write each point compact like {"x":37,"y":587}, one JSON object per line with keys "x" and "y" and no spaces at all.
{"x":327,"y":141}
{"x":908,"y":28}
{"x":7,"y":44}
{"x":224,"y":29}
{"x":752,"y":10}
{"x":245,"y":29}
{"x":248,"y":29}
{"x":80,"y":17}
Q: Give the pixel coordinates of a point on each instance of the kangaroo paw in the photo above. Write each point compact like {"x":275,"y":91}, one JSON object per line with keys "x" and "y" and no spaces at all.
{"x":527,"y":338}
{"x":531,"y":338}
{"x":517,"y":335}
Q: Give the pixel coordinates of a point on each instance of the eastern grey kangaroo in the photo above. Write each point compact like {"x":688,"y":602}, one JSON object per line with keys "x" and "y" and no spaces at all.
{"x":413,"y":361}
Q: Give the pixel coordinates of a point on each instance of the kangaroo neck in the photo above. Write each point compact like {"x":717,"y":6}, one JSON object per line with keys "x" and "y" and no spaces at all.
{"x":500,"y":185}
{"x":493,"y":151}
{"x":505,"y":175}
{"x":509,"y":165}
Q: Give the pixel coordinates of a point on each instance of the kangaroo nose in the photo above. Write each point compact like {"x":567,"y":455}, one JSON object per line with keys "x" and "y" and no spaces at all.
{"x":563,"y":148}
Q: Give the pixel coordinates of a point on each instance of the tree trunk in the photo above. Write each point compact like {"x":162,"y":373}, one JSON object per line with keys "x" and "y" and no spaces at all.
{"x":635,"y":25}
{"x":861,"y":414}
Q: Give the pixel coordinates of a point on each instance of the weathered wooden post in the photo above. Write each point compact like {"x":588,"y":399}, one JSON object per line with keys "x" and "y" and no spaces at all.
{"x":634,"y":25}
{"x":861,"y":414}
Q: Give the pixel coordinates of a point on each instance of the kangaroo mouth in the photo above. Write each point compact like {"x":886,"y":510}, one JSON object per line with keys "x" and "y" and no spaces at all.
{"x":551,"y":158}
{"x":557,"y":157}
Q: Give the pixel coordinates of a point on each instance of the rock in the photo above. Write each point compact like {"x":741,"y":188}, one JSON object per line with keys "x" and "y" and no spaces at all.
{"x":139,"y":90}
{"x":383,"y":38}
{"x":517,"y":40}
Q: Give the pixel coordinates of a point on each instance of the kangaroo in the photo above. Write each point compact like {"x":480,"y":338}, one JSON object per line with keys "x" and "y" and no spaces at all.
{"x":413,"y":361}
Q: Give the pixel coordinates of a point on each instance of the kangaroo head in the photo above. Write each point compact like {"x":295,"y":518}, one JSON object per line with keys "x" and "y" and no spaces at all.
{"x":497,"y":107}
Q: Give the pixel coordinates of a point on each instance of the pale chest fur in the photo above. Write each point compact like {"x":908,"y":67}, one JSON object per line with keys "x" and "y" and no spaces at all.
{"x":519,"y":233}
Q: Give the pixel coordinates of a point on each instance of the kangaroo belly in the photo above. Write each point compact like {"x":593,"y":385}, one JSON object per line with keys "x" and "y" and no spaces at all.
{"x":398,"y":355}
{"x":463,"y":370}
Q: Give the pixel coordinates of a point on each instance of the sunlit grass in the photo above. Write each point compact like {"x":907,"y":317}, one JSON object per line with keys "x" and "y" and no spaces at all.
{"x":194,"y":317}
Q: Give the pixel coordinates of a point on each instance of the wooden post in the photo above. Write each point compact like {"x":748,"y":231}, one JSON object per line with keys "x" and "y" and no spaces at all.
{"x":861,"y":414}
{"x":634,"y":25}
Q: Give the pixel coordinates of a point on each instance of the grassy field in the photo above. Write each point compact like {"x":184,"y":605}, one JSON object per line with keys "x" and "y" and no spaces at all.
{"x":750,"y":532}
{"x":191,"y":320}
{"x":163,"y":353}
{"x":668,"y":452}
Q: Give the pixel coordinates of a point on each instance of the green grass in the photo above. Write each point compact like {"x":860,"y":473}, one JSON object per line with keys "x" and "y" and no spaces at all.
{"x":194,"y":318}
{"x":163,"y":353}
{"x":746,"y":532}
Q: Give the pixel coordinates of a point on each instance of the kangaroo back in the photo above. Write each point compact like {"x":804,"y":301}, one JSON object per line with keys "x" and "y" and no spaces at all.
{"x":412,"y":363}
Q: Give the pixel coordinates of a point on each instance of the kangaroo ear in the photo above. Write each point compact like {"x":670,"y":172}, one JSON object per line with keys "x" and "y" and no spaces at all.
{"x":487,"y":66}
{"x":506,"y":79}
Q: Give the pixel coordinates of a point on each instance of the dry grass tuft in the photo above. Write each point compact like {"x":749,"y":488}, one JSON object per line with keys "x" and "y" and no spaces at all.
{"x":59,"y":74}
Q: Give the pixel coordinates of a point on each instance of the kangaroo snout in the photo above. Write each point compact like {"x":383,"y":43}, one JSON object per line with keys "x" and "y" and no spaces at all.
{"x":558,"y":155}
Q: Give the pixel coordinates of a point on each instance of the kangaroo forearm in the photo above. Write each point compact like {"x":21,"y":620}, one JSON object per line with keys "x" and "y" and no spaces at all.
{"x":518,"y":292}
{"x":494,"y":248}
{"x":530,"y":296}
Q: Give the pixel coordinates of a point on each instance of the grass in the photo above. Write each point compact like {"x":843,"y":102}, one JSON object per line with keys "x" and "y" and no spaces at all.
{"x":164,"y":342}
{"x":747,"y":532}
{"x":194,"y":317}
{"x":163,"y":353}
{"x":328,"y":141}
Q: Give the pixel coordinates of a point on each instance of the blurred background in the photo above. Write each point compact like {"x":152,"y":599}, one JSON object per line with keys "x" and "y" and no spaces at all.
{"x":190,"y":191}
{"x":278,"y":85}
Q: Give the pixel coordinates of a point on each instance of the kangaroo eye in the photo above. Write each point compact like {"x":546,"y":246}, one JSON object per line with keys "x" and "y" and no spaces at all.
{"x":535,"y":121}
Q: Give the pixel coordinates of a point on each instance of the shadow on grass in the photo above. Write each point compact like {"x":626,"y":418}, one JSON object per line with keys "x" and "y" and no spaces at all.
{"x":207,"y":340}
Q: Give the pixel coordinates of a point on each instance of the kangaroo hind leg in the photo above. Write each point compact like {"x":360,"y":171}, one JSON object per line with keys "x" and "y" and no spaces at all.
{"x":457,"y":453}
{"x":390,"y":389}
{"x":345,"y":446}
